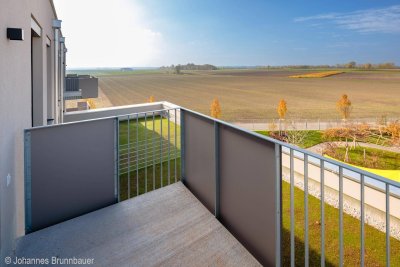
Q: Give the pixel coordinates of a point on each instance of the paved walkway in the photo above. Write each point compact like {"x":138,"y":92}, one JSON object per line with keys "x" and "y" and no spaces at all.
{"x":301,"y":124}
{"x":320,"y":147}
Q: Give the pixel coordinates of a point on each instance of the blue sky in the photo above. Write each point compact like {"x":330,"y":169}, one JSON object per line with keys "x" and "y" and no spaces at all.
{"x":156,"y":32}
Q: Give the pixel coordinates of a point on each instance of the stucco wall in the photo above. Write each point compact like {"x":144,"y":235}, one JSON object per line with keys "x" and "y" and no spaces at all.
{"x":15,"y":108}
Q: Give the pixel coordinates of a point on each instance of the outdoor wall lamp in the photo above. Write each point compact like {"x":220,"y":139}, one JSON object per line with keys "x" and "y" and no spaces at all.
{"x":15,"y":34}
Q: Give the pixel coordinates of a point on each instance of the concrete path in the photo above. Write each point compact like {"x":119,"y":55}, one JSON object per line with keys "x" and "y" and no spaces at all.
{"x":320,"y":147}
{"x":303,"y":124}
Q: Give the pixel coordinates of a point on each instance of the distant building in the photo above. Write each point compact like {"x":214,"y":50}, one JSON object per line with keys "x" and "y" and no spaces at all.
{"x":126,"y":69}
{"x":81,"y":86}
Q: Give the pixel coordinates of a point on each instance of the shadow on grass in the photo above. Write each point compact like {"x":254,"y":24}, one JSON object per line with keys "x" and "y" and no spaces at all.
{"x":314,"y":256}
{"x":156,"y":177}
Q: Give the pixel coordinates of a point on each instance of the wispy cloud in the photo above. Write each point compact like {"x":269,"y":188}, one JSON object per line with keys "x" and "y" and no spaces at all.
{"x":382,"y":20}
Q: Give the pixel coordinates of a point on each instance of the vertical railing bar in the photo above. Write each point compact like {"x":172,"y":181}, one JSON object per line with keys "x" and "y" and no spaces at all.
{"x":217,"y":170}
{"x":137,"y":154}
{"x":322,"y":184}
{"x":306,"y":252}
{"x":169,"y":147}
{"x":153,"y":152}
{"x":117,"y":141}
{"x":145,"y":152}
{"x":292,"y":237}
{"x":387,"y":225}
{"x":278,"y":203}
{"x":28,"y":178}
{"x":362,"y":237}
{"x":161,"y":150}
{"x":129,"y":159}
{"x":340,"y":216}
{"x":175,"y":143}
{"x":182,"y":127}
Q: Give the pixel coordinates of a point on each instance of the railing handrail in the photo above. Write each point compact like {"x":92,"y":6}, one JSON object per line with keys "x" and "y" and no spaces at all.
{"x":98,"y":119}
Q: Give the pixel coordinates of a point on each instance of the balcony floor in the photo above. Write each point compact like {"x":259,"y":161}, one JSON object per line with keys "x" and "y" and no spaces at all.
{"x":168,"y":227}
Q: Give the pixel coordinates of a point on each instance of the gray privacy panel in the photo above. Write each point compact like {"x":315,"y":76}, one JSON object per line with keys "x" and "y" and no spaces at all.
{"x":199,"y":159}
{"x":247,"y":191}
{"x":72,"y":171}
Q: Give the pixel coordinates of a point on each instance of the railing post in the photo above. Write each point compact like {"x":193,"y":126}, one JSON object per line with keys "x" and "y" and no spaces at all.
{"x":217,"y":170}
{"x":169,"y":147}
{"x":278,"y":203}
{"x":145,"y":152}
{"x":362,"y":199}
{"x":129,"y":158}
{"x":292,"y":228}
{"x":154,"y":153}
{"x":387,"y":193}
{"x":322,"y":189}
{"x":306,"y":245}
{"x":175,"y":144}
{"x":182,"y":119}
{"x":28,"y":189}
{"x":116,"y":154}
{"x":341,"y":253}
{"x":137,"y":154}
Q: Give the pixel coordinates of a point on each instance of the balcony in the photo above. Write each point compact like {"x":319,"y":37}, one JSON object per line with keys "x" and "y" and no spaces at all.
{"x":168,"y":226}
{"x":80,"y":86}
{"x":159,"y":184}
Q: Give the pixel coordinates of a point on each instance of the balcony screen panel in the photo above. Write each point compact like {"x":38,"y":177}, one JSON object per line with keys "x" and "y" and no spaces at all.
{"x":199,"y":159}
{"x":247,"y":191}
{"x":72,"y":171}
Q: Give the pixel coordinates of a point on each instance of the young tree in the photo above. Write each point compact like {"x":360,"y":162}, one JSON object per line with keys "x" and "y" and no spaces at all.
{"x":151,"y":99}
{"x":393,"y":129}
{"x":368,"y":66}
{"x":351,"y":65}
{"x":282,"y":109}
{"x":178,"y":69}
{"x":215,"y":109}
{"x":91,"y":103}
{"x":294,"y":136}
{"x":344,"y":106}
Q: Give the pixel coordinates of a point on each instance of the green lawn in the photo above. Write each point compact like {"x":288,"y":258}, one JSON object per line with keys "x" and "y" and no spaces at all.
{"x":159,"y":179}
{"x":153,"y":160}
{"x":312,"y":138}
{"x":374,"y":239}
{"x":375,"y":158}
{"x":315,"y":137}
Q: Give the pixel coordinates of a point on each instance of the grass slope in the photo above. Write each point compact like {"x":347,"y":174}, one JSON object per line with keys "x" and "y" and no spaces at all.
{"x":374,"y":239}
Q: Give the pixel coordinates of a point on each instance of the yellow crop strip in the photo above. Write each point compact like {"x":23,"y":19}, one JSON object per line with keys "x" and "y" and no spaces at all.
{"x":317,"y":74}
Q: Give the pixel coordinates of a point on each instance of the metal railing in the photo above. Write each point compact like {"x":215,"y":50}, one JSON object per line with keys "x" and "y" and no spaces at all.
{"x":389,"y":185}
{"x":149,"y":146}
{"x":159,"y":147}
{"x":150,"y":150}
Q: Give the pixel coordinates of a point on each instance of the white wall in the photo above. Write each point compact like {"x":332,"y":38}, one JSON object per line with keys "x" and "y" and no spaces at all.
{"x":15,"y":108}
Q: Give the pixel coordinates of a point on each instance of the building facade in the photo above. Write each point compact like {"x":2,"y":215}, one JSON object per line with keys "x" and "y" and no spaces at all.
{"x":32,"y":67}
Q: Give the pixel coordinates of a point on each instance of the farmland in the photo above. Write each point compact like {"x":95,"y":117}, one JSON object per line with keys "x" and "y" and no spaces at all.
{"x":254,"y":93}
